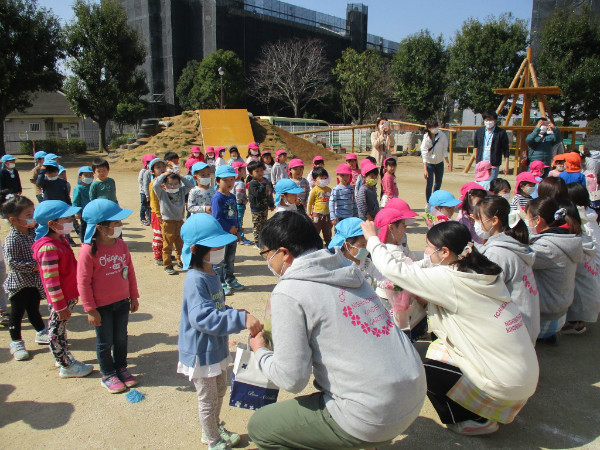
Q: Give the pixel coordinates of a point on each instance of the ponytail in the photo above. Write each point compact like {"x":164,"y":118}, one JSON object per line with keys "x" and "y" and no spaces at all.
{"x":556,"y":214}
{"x":499,"y":207}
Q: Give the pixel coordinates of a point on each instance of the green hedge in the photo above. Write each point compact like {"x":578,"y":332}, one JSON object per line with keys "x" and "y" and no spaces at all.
{"x":58,"y":146}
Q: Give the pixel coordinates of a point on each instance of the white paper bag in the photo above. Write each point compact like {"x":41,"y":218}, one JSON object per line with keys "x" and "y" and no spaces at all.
{"x":250,"y":389}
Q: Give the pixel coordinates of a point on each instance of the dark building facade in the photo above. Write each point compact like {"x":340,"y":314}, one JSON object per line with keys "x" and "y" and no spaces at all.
{"x":177,"y":31}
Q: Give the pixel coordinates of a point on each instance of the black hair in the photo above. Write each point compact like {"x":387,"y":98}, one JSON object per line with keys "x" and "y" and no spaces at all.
{"x":94,"y":245}
{"x":255,"y":165}
{"x":291,"y":230}
{"x":547,"y":207}
{"x":579,"y":195}
{"x":372,"y":159}
{"x":375,"y":171}
{"x":455,"y":236}
{"x":319,"y":172}
{"x":494,"y":206}
{"x":353,"y":239}
{"x":266,"y":154}
{"x":498,"y":185}
{"x":172,"y":176}
{"x":198,"y":254}
{"x":170,"y":155}
{"x":13,"y":206}
{"x":467,"y":207}
{"x":490,"y":115}
{"x":99,"y":162}
{"x":391,"y":162}
{"x":553,"y":187}
{"x":234,"y":148}
{"x":52,"y":169}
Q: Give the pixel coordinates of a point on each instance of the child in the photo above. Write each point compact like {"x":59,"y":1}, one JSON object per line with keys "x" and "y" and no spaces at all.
{"x":143,"y":182}
{"x":352,"y":161}
{"x":318,"y":161}
{"x":196,"y":156}
{"x":501,"y":188}
{"x":58,"y":272}
{"x":558,"y":165}
{"x":39,"y":161}
{"x":234,"y":154}
{"x":359,"y":178}
{"x":53,"y":187}
{"x":296,"y":169}
{"x":253,"y":152}
{"x":157,"y":167}
{"x":241,"y":197}
{"x":23,"y":284}
{"x":170,"y":190}
{"x":318,"y":203}
{"x":81,"y":194}
{"x":103,"y":186}
{"x":286,"y":195}
{"x":205,"y":324}
{"x":267,"y":160}
{"x":483,"y":172}
{"x":389,"y":188}
{"x":9,"y":176}
{"x":366,"y":200}
{"x":224,"y":209}
{"x":442,"y":207}
{"x":280,"y":168}
{"x":172,"y":161}
{"x":470,"y":195}
{"x":210,"y":160}
{"x":342,"y":203}
{"x":220,"y":161}
{"x":572,"y":174}
{"x":201,"y":195}
{"x":108,"y":291}
{"x":260,"y":196}
{"x":526,"y":182}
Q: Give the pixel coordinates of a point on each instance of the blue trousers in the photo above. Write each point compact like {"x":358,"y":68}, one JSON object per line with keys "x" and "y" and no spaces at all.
{"x":225,"y":269}
{"x":144,"y":208}
{"x":434,"y":171}
{"x":241,"y":210}
{"x":111,"y":337}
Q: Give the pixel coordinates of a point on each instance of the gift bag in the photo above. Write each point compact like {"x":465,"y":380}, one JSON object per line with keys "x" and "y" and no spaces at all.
{"x":250,"y":389}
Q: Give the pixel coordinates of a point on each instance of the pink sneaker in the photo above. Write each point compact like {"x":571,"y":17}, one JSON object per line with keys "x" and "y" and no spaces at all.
{"x":113,"y":384}
{"x":126,"y":377}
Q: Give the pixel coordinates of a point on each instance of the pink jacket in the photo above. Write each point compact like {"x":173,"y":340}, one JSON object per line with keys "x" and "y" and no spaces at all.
{"x":388,"y":185}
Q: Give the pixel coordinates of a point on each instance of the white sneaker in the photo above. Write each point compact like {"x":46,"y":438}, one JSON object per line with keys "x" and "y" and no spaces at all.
{"x":41,"y":337}
{"x":473,"y":428}
{"x":69,"y":357}
{"x":17,"y":349}
{"x":75,"y":370}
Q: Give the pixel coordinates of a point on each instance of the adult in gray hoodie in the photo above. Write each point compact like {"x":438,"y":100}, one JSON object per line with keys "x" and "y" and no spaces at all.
{"x":327,"y":320}
{"x":508,"y":246}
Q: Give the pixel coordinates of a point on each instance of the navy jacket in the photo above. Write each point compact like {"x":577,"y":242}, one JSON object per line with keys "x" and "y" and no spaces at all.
{"x":499,"y":145}
{"x":10,"y":181}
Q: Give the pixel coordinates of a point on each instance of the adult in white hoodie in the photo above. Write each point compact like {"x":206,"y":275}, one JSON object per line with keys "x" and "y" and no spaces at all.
{"x":328,"y":321}
{"x":508,"y":246}
{"x":482,"y":368}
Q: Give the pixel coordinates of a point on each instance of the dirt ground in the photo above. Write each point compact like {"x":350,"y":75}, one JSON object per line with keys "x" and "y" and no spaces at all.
{"x":38,"y":408}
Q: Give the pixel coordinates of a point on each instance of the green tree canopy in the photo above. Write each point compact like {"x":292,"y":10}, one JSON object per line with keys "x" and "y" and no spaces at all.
{"x":419,"y":68}
{"x":364,"y":82}
{"x":569,"y":57}
{"x":485,"y":56}
{"x":199,"y":85}
{"x":30,"y":48}
{"x":104,"y":55}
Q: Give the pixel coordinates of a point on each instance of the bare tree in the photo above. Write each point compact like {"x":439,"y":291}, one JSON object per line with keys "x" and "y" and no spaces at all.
{"x":294,"y":72}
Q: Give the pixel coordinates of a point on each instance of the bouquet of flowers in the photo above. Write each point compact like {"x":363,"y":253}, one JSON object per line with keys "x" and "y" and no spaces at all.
{"x":432,"y":219}
{"x":400,"y":300}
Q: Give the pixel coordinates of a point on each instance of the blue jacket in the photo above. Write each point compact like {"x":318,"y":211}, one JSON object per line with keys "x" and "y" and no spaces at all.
{"x":224,"y":209}
{"x":573,"y":177}
{"x":342,"y":203}
{"x":206,"y":320}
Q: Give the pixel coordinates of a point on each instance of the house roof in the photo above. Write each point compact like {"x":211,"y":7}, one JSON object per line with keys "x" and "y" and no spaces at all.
{"x":47,"y":104}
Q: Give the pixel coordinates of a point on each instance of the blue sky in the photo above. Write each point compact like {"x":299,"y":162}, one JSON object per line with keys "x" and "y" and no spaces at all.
{"x":392,"y":19}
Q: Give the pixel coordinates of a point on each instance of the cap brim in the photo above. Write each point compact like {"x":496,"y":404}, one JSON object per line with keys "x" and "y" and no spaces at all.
{"x":70,"y":211}
{"x":450,"y":203}
{"x":123,"y":214}
{"x":336,"y":241}
{"x":297,"y":190}
{"x":213,"y":241}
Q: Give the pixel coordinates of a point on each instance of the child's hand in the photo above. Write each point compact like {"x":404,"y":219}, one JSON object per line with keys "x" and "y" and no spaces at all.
{"x":258,"y":341}
{"x":334,"y":222}
{"x":253,"y":325}
{"x":233,"y":230}
{"x":208,"y":209}
{"x":94,"y":318}
{"x":65,"y":314}
{"x":134,"y":305}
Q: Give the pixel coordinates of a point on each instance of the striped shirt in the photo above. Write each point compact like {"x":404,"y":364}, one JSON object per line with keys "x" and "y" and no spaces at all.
{"x":342,"y":203}
{"x":519,"y":201}
{"x":22,"y":267}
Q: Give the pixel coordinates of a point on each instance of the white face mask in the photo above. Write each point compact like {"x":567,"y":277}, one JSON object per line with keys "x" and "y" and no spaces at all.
{"x":489,"y":124}
{"x":66,"y":228}
{"x":506,"y":196}
{"x":204,"y":181}
{"x":528,"y":190}
{"x":88,"y":180}
{"x":435,"y":131}
{"x":175,"y":168}
{"x":530,"y":227}
{"x":254,"y":153}
{"x":427,"y":260}
{"x":543,"y":129}
{"x":172,"y":191}
{"x":52,"y":178}
{"x":215,"y":256}
{"x":116,"y":233}
{"x":560,"y":168}
{"x":278,"y":275}
{"x":323,"y":182}
{"x":285,"y":202}
{"x":361,"y":253}
{"x":480,"y":231}
{"x":10,"y":165}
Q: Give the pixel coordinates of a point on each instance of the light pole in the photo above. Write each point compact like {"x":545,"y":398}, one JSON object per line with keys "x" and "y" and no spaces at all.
{"x":221,"y":73}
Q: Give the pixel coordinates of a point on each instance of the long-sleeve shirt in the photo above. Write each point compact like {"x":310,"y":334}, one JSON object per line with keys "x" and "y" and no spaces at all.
{"x":10,"y":180}
{"x":434,"y":152}
{"x":106,"y":278}
{"x":260,"y":195}
{"x":279,"y":172}
{"x":154,"y":204}
{"x":199,"y":199}
{"x":146,"y":183}
{"x":141,"y":176}
{"x":239,"y":188}
{"x":342,"y":203}
{"x":303,"y":196}
{"x":224,"y":209}
{"x":389,"y":186}
{"x":172,"y":206}
{"x":367,"y":202}
{"x":22,"y":268}
{"x":81,"y":195}
{"x":318,"y":200}
{"x":104,"y":189}
{"x":34,"y":175}
{"x":53,"y":189}
{"x":381,"y":145}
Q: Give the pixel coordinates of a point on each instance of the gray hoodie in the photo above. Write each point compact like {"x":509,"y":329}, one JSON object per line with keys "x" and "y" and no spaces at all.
{"x":516,"y":260}
{"x":586,"y":301}
{"x":326,"y":318}
{"x":557,"y":254}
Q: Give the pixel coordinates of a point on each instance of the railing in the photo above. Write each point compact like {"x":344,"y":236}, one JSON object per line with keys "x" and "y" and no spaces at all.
{"x":12,"y":140}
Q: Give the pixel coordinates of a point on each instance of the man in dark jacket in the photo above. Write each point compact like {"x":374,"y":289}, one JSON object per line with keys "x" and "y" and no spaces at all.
{"x":491,"y":143}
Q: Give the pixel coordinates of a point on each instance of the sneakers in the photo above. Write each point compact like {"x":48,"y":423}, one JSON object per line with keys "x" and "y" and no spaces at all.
{"x":145,"y":223}
{"x":158,"y":262}
{"x":17,"y":349}
{"x":41,"y":337}
{"x":170,"y":270}
{"x":113,"y":384}
{"x":230,"y":438}
{"x":76,"y":370}
{"x":474,"y":428}
{"x":226,"y":289}
{"x":572,"y":328}
{"x":246,"y":241}
{"x":236,"y":286}
{"x":221,"y":445}
{"x":126,"y":377}
{"x":178,"y":265}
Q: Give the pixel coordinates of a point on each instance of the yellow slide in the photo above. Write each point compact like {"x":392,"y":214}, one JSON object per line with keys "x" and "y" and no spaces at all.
{"x":226,"y":127}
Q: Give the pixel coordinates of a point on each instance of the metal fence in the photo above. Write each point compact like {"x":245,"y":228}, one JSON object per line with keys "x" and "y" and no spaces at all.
{"x":13,"y":140}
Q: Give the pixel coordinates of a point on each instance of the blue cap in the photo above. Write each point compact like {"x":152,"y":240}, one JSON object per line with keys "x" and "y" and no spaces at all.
{"x":101,"y":210}
{"x":84,"y":169}
{"x":51,"y":156}
{"x":51,"y":210}
{"x":40,"y":154}
{"x":8,"y":158}
{"x":345,"y":229}
{"x":197,"y":167}
{"x":225,"y":171}
{"x":202,"y":229}
{"x":61,"y":169}
{"x":154,"y":161}
{"x":50,"y":163}
{"x":443,"y":198}
{"x":286,"y":186}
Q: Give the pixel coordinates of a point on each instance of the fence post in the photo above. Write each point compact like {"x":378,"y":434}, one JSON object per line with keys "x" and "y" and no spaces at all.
{"x":451,"y":148}
{"x":352,"y":145}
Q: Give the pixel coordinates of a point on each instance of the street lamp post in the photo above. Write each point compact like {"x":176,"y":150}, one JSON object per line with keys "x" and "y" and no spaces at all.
{"x":221,"y":73}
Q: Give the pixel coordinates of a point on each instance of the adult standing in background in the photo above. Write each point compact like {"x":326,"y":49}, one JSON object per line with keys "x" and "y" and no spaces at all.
{"x":542,"y":142}
{"x":382,"y":141}
{"x":434,"y":150}
{"x":491,"y":143}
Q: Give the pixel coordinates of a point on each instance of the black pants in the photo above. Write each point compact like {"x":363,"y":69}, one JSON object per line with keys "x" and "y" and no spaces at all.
{"x":27,"y":299}
{"x":440,"y":379}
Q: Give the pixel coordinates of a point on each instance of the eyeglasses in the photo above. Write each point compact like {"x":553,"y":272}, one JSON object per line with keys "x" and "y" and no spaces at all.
{"x":265,"y":252}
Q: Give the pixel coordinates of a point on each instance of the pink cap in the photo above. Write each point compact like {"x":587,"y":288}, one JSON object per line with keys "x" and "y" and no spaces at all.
{"x":220,"y":149}
{"x":537,"y":168}
{"x":236,"y":165}
{"x":317,"y":159}
{"x":366,"y":168}
{"x":401,"y":206}
{"x":280,"y":152}
{"x":210,"y":149}
{"x":266,"y":152}
{"x":296,"y":162}
{"x":147,"y":158}
{"x":483,"y":170}
{"x":384,"y":218}
{"x":467,"y":187}
{"x":351,"y":156}
{"x":195,"y":149}
{"x":343,"y":169}
{"x":253,"y":145}
{"x":365,"y":161}
{"x":525,"y":177}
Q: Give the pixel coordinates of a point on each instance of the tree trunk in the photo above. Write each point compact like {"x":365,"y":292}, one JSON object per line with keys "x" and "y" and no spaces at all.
{"x":295,"y":106}
{"x":102,"y":136}
{"x":361,"y":115}
{"x":2,"y":149}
